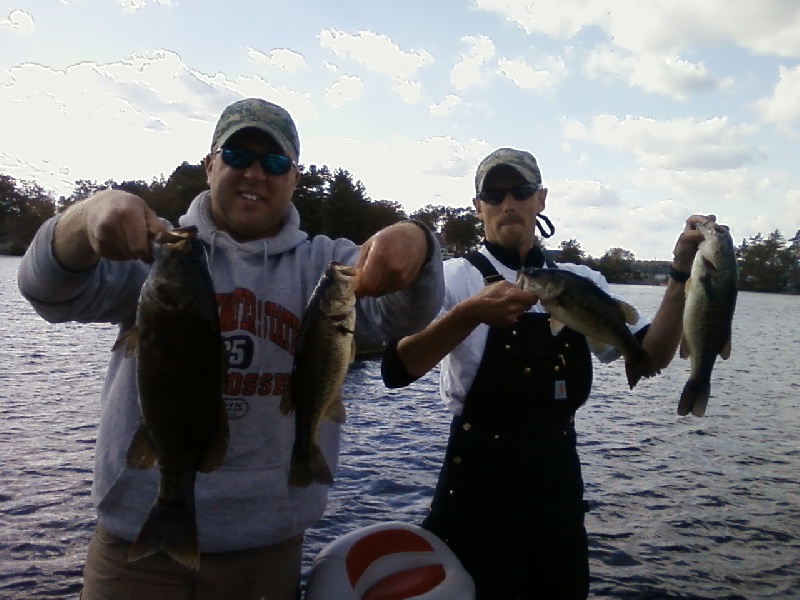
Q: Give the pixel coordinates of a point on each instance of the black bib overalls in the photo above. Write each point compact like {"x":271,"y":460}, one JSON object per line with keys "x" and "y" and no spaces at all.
{"x":509,"y":500}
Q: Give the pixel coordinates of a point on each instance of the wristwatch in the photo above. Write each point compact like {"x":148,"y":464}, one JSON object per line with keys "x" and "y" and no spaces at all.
{"x":679,"y":276}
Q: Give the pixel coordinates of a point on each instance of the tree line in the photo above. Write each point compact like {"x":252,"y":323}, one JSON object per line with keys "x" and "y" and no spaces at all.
{"x":333,"y":203}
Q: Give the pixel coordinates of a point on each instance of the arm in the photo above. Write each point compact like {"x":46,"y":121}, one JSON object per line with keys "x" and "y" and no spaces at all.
{"x":401,"y":285}
{"x":498,"y":304}
{"x":110,"y":224}
{"x":391,"y":259}
{"x":61,"y":274}
{"x":664,"y":334}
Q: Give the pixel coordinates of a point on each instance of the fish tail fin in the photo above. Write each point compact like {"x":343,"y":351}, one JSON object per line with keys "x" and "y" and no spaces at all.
{"x":305,"y":470}
{"x":694,"y":398}
{"x":170,"y":529}
{"x":641,"y":366}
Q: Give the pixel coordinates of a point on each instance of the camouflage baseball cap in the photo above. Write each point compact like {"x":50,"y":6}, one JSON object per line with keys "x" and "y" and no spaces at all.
{"x":266,"y":116}
{"x":522,"y":162}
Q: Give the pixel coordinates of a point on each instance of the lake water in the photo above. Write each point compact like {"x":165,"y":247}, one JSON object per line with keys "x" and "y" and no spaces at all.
{"x":682,"y":507}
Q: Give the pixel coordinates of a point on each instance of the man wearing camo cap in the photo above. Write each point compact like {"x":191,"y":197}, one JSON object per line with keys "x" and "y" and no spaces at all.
{"x":89,"y":263}
{"x":509,"y":500}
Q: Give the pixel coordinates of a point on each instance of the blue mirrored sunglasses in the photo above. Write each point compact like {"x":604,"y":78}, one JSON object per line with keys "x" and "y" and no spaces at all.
{"x":241,"y":158}
{"x":495,"y":196}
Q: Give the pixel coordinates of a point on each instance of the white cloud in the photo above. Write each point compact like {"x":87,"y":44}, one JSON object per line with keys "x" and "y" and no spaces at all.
{"x":442,"y":168}
{"x":344,"y":90}
{"x":410,"y":91}
{"x":681,"y":144}
{"x":134,"y":5}
{"x":471,"y":69}
{"x":783,"y":106}
{"x":597,"y":216}
{"x":19,"y":21}
{"x":541,"y":78}
{"x":446,"y":106}
{"x":117,"y":114}
{"x":281,"y":59}
{"x":376,"y":52}
{"x":666,"y":75}
{"x":662,"y":26}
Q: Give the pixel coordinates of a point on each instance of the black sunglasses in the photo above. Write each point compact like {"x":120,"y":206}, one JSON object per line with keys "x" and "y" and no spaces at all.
{"x":242,"y":158}
{"x":495,"y":196}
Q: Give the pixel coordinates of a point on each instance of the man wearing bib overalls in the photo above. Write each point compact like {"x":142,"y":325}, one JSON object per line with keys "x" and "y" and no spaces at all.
{"x":509,"y":500}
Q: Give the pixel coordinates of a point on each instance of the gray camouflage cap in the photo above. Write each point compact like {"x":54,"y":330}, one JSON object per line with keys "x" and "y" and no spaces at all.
{"x":521,"y":161}
{"x":266,"y":116}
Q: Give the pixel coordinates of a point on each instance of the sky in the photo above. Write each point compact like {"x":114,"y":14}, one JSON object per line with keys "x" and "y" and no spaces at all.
{"x":639,"y":112}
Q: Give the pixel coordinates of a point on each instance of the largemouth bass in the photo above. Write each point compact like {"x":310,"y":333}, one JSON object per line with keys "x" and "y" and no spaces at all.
{"x":707,"y":316}
{"x":180,"y":364}
{"x":325,"y":349}
{"x":578,"y":303}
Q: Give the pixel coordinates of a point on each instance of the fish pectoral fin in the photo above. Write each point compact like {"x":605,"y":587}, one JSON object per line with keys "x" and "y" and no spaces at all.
{"x":597,"y":346}
{"x":336,"y":412}
{"x":725,"y":353}
{"x":555,"y":326}
{"x":129,"y":340}
{"x":214,"y":454}
{"x":141,"y":452}
{"x":352,"y":350}
{"x":684,"y":348}
{"x":631,"y":314}
{"x":286,"y":405}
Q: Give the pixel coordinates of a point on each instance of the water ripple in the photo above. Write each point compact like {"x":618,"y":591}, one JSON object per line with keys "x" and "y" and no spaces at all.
{"x":681,"y":508}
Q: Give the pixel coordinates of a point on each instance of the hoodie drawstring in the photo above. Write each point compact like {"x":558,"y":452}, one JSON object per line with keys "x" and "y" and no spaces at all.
{"x":264,"y":276}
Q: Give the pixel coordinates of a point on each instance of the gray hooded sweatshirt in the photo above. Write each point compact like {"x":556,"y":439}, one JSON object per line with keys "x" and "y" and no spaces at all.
{"x":262,"y":290}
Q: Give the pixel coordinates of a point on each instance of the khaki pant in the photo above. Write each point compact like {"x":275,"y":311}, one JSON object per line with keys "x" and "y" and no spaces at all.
{"x":268,"y":573}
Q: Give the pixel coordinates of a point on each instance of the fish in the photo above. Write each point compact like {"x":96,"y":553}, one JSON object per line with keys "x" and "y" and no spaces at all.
{"x":711,"y":292}
{"x":180,"y":374}
{"x":325,"y":349}
{"x":578,"y":303}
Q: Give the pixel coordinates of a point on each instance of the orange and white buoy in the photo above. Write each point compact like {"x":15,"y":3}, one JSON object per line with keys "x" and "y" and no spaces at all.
{"x":388,"y":561}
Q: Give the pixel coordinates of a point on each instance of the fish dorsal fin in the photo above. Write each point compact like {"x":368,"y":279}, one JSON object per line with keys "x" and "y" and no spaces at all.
{"x":336,"y":411}
{"x":631,"y":314}
{"x":141,"y":452}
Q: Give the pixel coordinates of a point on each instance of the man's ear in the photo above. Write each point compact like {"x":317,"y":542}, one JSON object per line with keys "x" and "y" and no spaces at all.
{"x":208,"y":165}
{"x":542,"y":193}
{"x":476,"y":202}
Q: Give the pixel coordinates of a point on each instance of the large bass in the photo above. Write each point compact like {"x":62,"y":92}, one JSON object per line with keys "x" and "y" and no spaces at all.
{"x":180,"y":366}
{"x":710,"y":303}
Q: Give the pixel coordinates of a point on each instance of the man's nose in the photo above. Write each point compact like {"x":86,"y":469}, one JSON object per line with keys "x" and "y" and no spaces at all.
{"x":255,"y":171}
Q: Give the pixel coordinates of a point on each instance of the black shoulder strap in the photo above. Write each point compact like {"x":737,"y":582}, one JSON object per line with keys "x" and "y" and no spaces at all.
{"x":480,"y":262}
{"x":490,"y":274}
